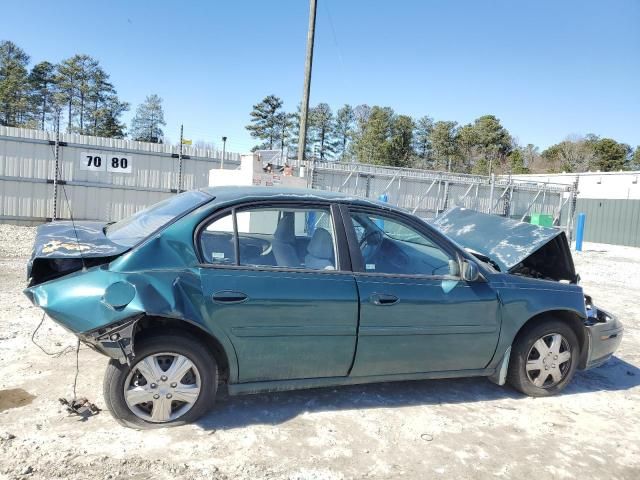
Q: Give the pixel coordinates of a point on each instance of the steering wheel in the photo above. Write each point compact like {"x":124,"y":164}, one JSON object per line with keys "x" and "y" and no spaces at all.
{"x":370,"y":244}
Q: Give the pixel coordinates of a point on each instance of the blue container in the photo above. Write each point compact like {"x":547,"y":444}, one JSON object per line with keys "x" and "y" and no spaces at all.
{"x":383,"y":197}
{"x":582,"y":218}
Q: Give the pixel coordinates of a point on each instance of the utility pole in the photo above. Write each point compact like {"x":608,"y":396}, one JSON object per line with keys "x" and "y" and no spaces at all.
{"x":57,"y":169}
{"x":224,"y":149}
{"x":180,"y":162}
{"x":302,"y":139}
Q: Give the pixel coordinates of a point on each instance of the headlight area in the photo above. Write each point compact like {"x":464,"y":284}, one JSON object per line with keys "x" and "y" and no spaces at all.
{"x":114,"y":340}
{"x":605,"y":334}
{"x":594,"y":314}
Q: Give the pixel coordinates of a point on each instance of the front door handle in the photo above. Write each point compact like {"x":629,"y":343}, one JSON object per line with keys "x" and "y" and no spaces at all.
{"x":228,"y":296}
{"x":383,"y":299}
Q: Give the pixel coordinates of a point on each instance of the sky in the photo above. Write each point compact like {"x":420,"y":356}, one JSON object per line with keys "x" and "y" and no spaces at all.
{"x":546,"y":68}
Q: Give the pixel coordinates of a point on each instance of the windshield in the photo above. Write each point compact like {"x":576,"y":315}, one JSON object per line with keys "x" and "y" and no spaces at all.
{"x":132,"y":230}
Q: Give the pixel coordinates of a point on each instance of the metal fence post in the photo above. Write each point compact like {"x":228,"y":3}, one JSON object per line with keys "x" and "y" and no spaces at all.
{"x":572,"y":207}
{"x":54,"y":216}
{"x":179,"y":189}
{"x":492,"y":180}
{"x":445,"y":199}
{"x":475,"y":201}
{"x":507,"y":203}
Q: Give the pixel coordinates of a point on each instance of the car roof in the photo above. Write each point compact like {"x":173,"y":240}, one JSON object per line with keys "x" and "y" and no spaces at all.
{"x":230,"y":194}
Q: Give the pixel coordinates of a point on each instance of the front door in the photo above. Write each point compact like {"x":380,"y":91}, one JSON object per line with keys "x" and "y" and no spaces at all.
{"x":274,"y":282}
{"x":416,"y":314}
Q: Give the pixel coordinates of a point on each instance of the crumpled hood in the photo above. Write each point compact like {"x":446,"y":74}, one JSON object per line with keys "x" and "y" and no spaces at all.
{"x":510,"y":243}
{"x":58,"y":240}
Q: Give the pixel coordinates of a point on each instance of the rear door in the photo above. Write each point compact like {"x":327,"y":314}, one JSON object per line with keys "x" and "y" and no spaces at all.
{"x":276,"y":282}
{"x":416,"y":313}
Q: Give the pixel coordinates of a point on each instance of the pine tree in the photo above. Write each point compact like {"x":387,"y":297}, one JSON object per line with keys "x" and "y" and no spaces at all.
{"x":285,"y":122}
{"x":41,"y":82}
{"x":444,"y":143}
{"x":493,"y":141}
{"x":99,"y":93}
{"x":147,"y":124}
{"x":468,"y":146}
{"x":264,"y":121}
{"x":107,"y":118}
{"x":14,"y":85}
{"x":634,"y":164}
{"x":74,"y":81}
{"x":371,"y":145}
{"x":422,"y":140}
{"x":321,"y":130}
{"x":400,"y":144}
{"x":344,"y":125}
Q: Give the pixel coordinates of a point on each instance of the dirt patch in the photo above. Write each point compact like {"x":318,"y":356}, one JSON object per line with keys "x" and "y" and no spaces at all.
{"x":466,"y":428}
{"x":14,"y":397}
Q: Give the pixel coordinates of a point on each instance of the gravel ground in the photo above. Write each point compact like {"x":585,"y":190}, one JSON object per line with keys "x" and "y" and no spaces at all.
{"x":466,"y":428}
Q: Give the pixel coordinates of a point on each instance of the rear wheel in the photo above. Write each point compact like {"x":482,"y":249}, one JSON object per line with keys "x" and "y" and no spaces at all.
{"x":172,"y":381}
{"x":544,"y":359}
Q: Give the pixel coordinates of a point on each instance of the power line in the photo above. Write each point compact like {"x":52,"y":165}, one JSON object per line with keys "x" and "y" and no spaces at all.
{"x":335,"y":37}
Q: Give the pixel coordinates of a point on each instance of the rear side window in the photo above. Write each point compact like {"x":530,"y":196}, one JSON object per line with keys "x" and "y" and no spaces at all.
{"x":132,"y":230}
{"x":300,"y":238}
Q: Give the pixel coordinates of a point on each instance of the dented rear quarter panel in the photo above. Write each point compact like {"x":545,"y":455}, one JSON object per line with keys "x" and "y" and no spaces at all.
{"x":163,"y":271}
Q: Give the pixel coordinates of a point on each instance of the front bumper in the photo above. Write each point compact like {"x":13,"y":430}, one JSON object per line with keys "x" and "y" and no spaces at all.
{"x":604,"y":332}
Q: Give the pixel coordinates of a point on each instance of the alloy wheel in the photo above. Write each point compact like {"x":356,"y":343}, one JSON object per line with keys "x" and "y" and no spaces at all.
{"x":162,"y":387}
{"x":548,"y":360}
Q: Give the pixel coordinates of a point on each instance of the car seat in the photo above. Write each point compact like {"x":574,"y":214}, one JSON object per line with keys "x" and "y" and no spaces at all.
{"x":284,"y":240}
{"x":320,"y":251}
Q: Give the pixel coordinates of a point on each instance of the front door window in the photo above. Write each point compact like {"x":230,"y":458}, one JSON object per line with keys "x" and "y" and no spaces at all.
{"x":390,"y":246}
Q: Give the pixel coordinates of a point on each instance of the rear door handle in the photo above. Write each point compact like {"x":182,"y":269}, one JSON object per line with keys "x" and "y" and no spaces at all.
{"x":228,"y":296}
{"x":383,"y":299}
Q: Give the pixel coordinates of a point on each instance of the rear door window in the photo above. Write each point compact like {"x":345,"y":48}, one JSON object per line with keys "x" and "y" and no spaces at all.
{"x":299,"y":238}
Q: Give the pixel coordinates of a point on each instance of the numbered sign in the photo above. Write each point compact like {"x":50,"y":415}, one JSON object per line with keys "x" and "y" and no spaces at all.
{"x":112,"y":162}
{"x":119,"y":163}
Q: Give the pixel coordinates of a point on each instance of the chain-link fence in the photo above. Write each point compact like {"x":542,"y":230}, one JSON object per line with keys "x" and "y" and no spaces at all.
{"x":428,"y":193}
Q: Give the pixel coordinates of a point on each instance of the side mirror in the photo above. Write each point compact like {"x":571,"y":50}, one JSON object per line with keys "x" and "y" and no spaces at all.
{"x":470,"y":272}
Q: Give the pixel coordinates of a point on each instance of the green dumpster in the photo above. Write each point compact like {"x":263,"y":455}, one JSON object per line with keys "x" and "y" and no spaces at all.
{"x":542,"y":219}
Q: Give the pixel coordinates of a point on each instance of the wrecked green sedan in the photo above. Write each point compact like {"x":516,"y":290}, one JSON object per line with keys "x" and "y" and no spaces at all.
{"x":265,"y":289}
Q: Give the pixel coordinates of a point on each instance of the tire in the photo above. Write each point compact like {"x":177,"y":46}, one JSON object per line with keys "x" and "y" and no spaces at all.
{"x":547,"y":373}
{"x":166,"y":351}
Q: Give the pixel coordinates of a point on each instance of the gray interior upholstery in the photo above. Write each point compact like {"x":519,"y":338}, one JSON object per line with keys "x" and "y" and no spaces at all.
{"x":320,"y":251}
{"x":283,"y":243}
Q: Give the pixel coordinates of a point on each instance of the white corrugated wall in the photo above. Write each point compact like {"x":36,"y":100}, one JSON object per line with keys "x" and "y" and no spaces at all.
{"x":27,"y":164}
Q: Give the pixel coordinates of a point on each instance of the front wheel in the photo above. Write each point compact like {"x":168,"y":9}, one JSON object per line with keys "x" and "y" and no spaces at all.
{"x":544,"y":359}
{"x":172,"y":381}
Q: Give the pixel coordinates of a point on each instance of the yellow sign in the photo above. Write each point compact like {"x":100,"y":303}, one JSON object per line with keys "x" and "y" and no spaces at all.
{"x":186,"y":141}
